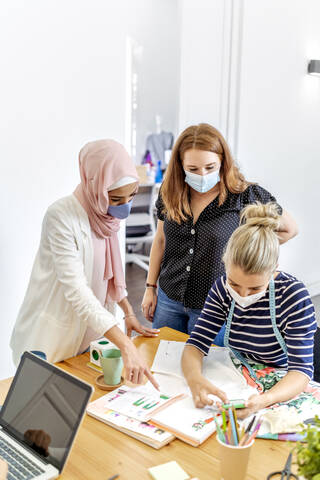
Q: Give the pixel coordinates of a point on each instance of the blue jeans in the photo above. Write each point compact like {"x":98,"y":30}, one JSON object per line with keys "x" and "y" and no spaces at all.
{"x":170,"y":313}
{"x":173,"y":314}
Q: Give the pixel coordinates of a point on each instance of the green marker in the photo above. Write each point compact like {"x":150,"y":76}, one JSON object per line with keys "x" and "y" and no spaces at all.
{"x":236,"y":403}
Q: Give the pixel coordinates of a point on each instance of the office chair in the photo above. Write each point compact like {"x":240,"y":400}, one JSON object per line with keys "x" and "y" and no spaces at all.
{"x":140,"y":226}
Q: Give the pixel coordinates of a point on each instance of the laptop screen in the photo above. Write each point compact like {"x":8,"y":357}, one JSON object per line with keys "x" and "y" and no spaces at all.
{"x":44,"y":408}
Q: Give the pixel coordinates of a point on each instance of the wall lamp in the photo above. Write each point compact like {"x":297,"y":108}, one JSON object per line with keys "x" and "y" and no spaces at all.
{"x":314,"y":67}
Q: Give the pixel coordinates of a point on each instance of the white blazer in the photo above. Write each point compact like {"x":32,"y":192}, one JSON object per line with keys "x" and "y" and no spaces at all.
{"x":59,"y":304}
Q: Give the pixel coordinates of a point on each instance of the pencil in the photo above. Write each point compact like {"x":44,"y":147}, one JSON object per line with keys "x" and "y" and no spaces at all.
{"x":224,"y":421}
{"x":241,"y":433}
{"x":233,"y":427}
{"x":243,"y":440}
{"x":254,"y":434}
{"x":249,"y":427}
{"x":235,"y":422}
{"x":248,"y":431}
{"x":229,"y":435}
{"x":219,"y":431}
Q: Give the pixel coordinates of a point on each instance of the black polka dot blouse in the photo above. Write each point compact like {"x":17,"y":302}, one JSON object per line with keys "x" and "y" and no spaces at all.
{"x":193,"y":252}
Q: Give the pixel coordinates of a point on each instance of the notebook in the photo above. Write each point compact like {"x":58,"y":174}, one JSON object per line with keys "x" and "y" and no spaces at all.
{"x":192,"y":425}
{"x":218,"y":367}
{"x":143,"y":431}
{"x":40,"y":418}
{"x":140,"y":403}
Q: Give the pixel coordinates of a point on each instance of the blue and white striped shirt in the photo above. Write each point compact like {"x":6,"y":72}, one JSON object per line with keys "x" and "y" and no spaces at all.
{"x":251,"y":329}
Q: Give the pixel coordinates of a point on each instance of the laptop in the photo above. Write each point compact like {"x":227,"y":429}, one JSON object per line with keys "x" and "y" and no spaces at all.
{"x":40,"y":419}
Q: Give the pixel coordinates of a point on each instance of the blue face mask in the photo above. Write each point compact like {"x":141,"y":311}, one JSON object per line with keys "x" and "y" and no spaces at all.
{"x":202,"y":183}
{"x":120,"y":211}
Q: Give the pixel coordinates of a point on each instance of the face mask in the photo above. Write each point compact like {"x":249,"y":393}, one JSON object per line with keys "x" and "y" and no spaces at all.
{"x":202,"y":183}
{"x":245,"y":301}
{"x":120,"y":211}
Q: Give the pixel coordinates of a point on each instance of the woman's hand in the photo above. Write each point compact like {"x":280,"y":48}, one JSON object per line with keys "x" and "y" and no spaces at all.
{"x":135,"y":366}
{"x":292,"y":384}
{"x":149,"y":303}
{"x":201,"y":388}
{"x":3,"y":469}
{"x":132,"y":323}
{"x":253,"y":404}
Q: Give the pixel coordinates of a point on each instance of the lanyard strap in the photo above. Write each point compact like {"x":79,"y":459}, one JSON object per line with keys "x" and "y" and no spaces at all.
{"x":236,"y":353}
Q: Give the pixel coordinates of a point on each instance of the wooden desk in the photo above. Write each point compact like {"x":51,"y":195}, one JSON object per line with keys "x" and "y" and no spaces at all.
{"x":101,"y":451}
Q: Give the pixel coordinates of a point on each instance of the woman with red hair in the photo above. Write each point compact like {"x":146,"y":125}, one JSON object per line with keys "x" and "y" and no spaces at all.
{"x":198,"y":207}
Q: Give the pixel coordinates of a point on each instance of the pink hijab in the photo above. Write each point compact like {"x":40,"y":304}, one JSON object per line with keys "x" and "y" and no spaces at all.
{"x":102,"y":163}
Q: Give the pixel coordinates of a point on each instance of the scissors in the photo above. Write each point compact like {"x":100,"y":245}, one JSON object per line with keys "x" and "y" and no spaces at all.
{"x":286,"y":473}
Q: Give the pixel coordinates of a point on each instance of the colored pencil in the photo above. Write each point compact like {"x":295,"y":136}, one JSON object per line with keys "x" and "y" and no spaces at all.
{"x":230,"y":442}
{"x":243,"y":440}
{"x":235,"y":422}
{"x":233,"y":427}
{"x":219,"y":431}
{"x":237,"y":403}
{"x":248,"y":431}
{"x":249,"y":427}
{"x":254,"y":434}
{"x":224,"y":421}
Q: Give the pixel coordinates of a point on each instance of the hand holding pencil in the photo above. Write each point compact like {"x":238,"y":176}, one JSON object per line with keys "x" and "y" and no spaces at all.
{"x":254,"y":403}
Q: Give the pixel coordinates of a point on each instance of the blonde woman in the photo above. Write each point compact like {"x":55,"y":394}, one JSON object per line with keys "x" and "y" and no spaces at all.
{"x":198,"y":209}
{"x":268,"y":313}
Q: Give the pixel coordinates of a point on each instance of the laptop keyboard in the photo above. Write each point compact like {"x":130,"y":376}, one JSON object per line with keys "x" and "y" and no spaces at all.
{"x":20,"y":467}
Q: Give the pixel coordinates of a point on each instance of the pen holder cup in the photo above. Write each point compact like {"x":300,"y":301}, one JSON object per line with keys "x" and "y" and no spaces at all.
{"x":233,"y":460}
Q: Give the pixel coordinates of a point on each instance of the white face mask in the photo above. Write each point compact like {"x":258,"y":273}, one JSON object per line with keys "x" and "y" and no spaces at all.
{"x":202,"y":183}
{"x":245,"y":301}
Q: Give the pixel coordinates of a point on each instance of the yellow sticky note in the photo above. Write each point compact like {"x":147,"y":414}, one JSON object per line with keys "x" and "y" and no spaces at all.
{"x":168,"y":471}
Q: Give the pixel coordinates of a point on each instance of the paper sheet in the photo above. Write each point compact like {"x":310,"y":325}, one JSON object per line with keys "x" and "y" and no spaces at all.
{"x":138,"y":403}
{"x":183,"y":417}
{"x":217,"y":367}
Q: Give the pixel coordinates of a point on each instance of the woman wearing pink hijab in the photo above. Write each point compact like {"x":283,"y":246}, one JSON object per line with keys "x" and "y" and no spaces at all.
{"x":78,"y":272}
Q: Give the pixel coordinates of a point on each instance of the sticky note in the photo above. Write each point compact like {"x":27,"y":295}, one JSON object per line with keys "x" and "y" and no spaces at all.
{"x":167,"y":471}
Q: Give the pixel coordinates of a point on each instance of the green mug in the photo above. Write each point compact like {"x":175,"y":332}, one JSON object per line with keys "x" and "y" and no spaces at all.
{"x":112,"y":365}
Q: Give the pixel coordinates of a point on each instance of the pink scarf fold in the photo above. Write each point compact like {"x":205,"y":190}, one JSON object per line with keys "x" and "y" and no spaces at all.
{"x":102,"y":163}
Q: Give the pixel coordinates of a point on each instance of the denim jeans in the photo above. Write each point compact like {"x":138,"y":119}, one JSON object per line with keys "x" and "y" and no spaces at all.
{"x":170,"y":313}
{"x":173,"y":314}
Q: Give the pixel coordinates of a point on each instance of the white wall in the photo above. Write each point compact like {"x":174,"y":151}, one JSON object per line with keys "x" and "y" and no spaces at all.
{"x":157,"y":67}
{"x":201,"y":63}
{"x":279,"y":141}
{"x":62,"y":84}
{"x":276,"y":112}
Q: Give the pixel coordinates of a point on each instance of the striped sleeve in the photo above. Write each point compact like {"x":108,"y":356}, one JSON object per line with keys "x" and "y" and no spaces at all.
{"x":299,"y":326}
{"x":211,"y":319}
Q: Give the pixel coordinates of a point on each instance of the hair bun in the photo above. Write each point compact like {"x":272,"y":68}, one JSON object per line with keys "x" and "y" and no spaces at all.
{"x":261,"y":215}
